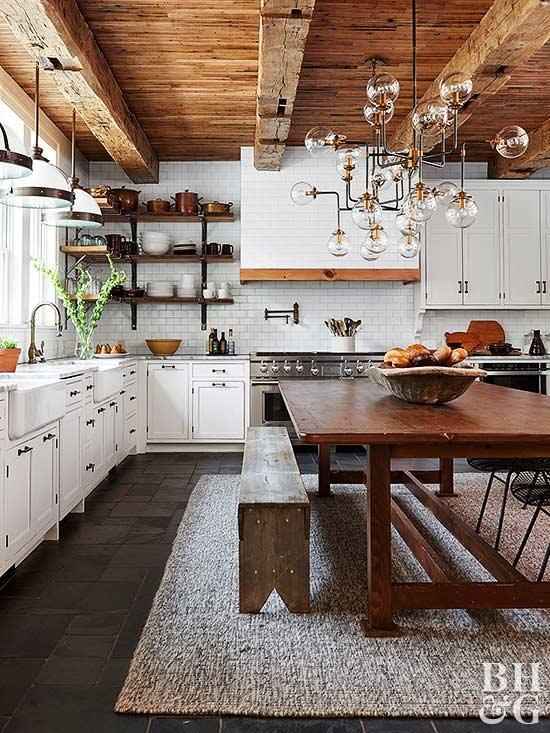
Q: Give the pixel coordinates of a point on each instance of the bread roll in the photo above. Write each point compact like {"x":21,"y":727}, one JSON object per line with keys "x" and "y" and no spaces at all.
{"x":442,"y":354}
{"x":389,"y":355}
{"x":416,"y":350}
{"x":423,"y":360}
{"x":457,"y":355}
{"x":400,"y":360}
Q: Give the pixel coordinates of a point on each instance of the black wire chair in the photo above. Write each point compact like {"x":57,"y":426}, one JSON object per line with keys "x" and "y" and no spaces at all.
{"x":532,"y":488}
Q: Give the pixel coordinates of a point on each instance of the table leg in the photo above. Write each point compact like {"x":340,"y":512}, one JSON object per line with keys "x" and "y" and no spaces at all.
{"x":378,"y":475}
{"x":446,"y":477}
{"x":324,"y":469}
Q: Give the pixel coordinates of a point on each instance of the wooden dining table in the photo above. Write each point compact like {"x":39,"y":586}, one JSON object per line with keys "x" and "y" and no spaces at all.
{"x":487,"y":421}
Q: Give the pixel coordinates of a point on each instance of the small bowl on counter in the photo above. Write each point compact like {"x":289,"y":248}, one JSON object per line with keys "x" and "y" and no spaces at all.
{"x":163,"y":347}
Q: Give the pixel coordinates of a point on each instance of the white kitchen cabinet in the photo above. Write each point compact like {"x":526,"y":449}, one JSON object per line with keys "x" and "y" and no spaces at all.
{"x":219,"y":410}
{"x":481,"y":252}
{"x":71,"y":457}
{"x":545,"y":245}
{"x":120,"y":443}
{"x":523,"y":281}
{"x":44,"y":481}
{"x":31,"y":490}
{"x":17,"y":499}
{"x":109,"y":435}
{"x":443,"y":262}
{"x":93,"y":453}
{"x":168,"y":402}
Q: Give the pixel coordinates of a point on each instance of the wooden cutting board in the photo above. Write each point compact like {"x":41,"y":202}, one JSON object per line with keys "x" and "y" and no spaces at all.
{"x":487,"y":332}
{"x":468,"y":341}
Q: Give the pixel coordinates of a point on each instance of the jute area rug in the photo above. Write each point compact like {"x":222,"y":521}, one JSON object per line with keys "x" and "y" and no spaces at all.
{"x":198,"y":656}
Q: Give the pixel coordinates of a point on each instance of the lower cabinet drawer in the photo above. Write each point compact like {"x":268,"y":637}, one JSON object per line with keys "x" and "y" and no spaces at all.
{"x":74,"y":389}
{"x":218,"y":369}
{"x":130,"y":400}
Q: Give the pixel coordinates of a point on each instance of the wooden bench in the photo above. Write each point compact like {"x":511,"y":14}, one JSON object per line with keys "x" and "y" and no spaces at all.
{"x":273,"y":524}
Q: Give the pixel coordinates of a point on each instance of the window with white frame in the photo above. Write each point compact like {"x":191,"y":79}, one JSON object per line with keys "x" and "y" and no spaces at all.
{"x":23,"y":238}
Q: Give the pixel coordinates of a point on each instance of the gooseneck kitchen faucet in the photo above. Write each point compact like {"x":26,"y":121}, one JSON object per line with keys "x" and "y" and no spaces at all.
{"x":35,"y":353}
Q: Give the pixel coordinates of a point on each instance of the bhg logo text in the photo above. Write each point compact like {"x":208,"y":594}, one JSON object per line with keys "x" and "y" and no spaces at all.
{"x":512,"y":691}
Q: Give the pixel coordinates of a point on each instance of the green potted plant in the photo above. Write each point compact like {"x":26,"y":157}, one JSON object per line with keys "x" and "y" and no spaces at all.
{"x":9,"y":354}
{"x":84,"y":320}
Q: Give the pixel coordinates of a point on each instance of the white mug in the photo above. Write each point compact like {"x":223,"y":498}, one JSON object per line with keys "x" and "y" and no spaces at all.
{"x":223,"y":293}
{"x":225,"y":286}
{"x":208,"y":293}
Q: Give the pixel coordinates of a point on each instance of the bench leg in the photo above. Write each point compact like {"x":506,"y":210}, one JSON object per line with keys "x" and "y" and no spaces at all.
{"x":274,"y":555}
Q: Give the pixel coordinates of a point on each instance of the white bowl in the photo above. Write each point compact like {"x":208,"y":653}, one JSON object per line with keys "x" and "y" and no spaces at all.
{"x":156,"y":236}
{"x":156,"y":248}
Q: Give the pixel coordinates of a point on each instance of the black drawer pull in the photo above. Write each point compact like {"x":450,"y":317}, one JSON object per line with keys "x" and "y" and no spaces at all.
{"x":112,"y":404}
{"x":101,"y":409}
{"x":132,"y":398}
{"x":132,"y":372}
{"x":218,"y":384}
{"x":49,"y":436}
{"x":90,"y":467}
{"x":122,"y":391}
{"x":89,"y":386}
{"x":74,"y":392}
{"x":133,"y":430}
{"x":168,"y":366}
{"x":222,"y":371}
{"x":26,"y":449}
{"x":90,"y":422}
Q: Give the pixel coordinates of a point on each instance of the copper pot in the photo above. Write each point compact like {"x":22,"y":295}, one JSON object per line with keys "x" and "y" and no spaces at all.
{"x":124,"y":199}
{"x":158,"y":206}
{"x":187,"y":202}
{"x":98,"y":192}
{"x":215,"y":207}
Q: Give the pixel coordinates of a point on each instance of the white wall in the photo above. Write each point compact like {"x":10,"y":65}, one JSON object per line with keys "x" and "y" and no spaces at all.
{"x":387,"y":309}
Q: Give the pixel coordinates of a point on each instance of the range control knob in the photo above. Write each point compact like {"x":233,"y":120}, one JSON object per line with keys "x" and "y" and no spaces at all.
{"x":299,"y":367}
{"x":359,"y":367}
{"x":314,"y":369}
{"x":286,"y":367}
{"x":347,"y":371}
{"x":263,"y":367}
{"x":275,"y":368}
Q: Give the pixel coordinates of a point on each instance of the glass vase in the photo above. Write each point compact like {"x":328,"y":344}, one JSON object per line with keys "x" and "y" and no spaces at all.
{"x":84,"y":348}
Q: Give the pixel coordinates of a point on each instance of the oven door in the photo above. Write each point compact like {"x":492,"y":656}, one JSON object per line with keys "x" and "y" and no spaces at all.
{"x":527,"y":380}
{"x":267,"y":407}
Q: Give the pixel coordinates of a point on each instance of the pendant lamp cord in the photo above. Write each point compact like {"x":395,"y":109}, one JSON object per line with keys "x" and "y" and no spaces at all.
{"x":36,"y":105}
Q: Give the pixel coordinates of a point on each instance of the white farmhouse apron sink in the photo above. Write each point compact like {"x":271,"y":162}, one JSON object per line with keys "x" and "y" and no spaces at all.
{"x":35,"y":403}
{"x":108,"y":382}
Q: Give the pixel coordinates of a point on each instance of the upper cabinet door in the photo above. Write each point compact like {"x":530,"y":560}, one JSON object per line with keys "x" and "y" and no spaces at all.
{"x":443,"y":261}
{"x":522,"y":248}
{"x":168,"y":402}
{"x":545,"y":245}
{"x":481,"y":251}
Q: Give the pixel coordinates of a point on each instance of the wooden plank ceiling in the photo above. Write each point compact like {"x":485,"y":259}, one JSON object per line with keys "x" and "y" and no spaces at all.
{"x":188,"y":70}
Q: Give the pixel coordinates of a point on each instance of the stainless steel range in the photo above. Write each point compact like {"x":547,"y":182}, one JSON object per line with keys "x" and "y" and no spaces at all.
{"x":267,"y":369}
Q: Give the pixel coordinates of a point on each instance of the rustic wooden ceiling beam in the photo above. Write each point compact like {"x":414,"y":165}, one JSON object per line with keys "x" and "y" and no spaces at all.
{"x":55,"y":30}
{"x":536,"y":156}
{"x":284,"y":26}
{"x":508,"y":34}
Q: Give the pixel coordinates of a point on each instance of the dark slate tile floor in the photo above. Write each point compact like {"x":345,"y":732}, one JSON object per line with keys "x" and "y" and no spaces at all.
{"x":72,"y":615}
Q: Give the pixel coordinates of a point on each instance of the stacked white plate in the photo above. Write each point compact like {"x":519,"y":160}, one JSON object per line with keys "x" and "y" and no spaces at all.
{"x":156,"y":243}
{"x":160,"y":289}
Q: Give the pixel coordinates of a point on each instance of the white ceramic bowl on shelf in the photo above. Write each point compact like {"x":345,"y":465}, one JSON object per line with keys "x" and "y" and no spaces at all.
{"x":155,"y":237}
{"x":156,"y":248}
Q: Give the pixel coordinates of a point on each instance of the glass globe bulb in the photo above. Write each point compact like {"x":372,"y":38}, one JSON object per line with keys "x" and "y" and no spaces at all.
{"x":430,"y":117}
{"x":456,"y":89}
{"x":339,"y":243}
{"x":462,"y":211}
{"x":409,"y":246}
{"x":349,"y":151}
{"x":302,"y":193}
{"x":420,"y":204}
{"x":445,"y":192}
{"x":377,"y":240}
{"x":318,"y":141}
{"x":373,"y":114}
{"x":396,"y":173}
{"x":345,"y":166}
{"x":382,"y":178}
{"x":368,"y":254}
{"x":367,"y":212}
{"x":382,"y":88}
{"x":405,"y":224}
{"x":511,"y":141}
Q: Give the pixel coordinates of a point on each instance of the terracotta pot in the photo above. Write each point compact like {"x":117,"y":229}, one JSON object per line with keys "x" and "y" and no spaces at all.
{"x":124,"y":199}
{"x":187,"y":202}
{"x":215,"y":207}
{"x":158,"y":206}
{"x":9,"y":359}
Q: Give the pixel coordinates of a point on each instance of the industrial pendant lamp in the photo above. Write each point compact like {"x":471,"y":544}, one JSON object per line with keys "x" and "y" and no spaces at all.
{"x":84,"y":213}
{"x":47,"y":187}
{"x":14,"y":162}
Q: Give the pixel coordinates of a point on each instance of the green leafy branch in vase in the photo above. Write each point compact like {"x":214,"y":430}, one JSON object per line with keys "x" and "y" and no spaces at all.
{"x":84,"y":321}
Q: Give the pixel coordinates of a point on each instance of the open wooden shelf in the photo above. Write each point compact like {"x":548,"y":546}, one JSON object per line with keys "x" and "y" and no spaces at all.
{"x":87,"y":298}
{"x":99,"y":254}
{"x":389,"y":274}
{"x":170,"y":218}
{"x":175,"y":299}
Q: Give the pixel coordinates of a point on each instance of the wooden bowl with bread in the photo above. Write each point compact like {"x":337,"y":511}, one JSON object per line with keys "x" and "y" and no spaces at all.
{"x":425,"y":376}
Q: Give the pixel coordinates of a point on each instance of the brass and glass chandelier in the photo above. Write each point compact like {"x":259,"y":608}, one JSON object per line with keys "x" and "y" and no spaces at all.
{"x":394,"y":175}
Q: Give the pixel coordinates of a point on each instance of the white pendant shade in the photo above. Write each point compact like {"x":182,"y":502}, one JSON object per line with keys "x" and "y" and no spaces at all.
{"x":46,"y":188}
{"x":15,"y":161}
{"x":84,"y":213}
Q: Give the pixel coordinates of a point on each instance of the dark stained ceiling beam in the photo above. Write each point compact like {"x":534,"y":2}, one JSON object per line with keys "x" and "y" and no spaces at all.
{"x":55,"y":31}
